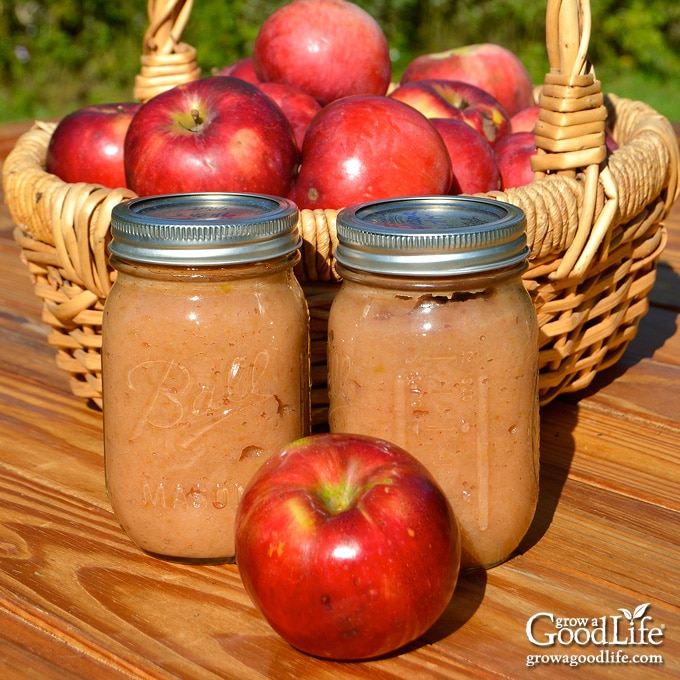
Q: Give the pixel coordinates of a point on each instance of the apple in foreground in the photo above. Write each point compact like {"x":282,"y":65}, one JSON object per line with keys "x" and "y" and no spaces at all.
{"x":327,"y":48}
{"x":298,"y":106}
{"x":87,"y":145}
{"x":213,"y":134}
{"x":364,"y":148}
{"x":493,"y":68}
{"x":436,"y":98}
{"x":347,"y":546}
{"x":472,"y":159}
{"x":513,"y":155}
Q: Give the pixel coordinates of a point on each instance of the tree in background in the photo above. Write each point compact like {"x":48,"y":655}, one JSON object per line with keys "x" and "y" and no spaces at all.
{"x":58,"y":55}
{"x":55,"y":56}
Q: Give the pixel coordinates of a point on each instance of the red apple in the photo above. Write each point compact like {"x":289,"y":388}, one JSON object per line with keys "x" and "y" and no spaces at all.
{"x":436,"y":98}
{"x":513,"y":155}
{"x":243,"y":69}
{"x":87,"y":145}
{"x":215,"y":134}
{"x":347,"y":546}
{"x":472,"y":159}
{"x":525,"y":120}
{"x":611,"y":143}
{"x":298,"y":106}
{"x":493,"y":68}
{"x":364,"y":148}
{"x":328,"y":48}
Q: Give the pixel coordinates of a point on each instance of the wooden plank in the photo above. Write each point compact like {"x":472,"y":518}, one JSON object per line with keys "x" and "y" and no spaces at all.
{"x":24,"y":656}
{"x":647,"y":390}
{"x":494,"y":632}
{"x":90,"y":587}
{"x":60,"y":440}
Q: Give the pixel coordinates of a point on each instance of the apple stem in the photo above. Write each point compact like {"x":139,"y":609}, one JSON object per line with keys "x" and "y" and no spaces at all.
{"x":198,"y":121}
{"x":337,"y":498}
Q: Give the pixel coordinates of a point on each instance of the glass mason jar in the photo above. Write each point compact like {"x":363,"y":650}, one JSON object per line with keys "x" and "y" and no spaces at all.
{"x":433,"y":345}
{"x":205,"y":363}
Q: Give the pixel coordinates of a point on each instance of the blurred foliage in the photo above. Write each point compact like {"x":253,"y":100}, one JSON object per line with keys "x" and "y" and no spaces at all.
{"x":57,"y":55}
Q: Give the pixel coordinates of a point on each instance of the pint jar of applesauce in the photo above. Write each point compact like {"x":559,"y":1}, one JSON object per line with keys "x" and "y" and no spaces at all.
{"x":433,"y":344}
{"x":205,"y":363}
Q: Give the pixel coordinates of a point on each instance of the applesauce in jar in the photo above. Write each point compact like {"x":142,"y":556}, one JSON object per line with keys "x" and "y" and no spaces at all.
{"x":205,"y":363}
{"x":433,"y":344}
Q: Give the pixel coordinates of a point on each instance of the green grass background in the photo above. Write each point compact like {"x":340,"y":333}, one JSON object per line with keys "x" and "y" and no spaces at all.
{"x":58,"y":55}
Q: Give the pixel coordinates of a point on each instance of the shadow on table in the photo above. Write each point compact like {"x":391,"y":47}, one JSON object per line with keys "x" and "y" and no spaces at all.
{"x":558,"y":420}
{"x":466,"y":600}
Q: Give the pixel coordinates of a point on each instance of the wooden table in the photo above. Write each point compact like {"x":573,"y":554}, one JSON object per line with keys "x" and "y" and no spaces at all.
{"x":77,"y":600}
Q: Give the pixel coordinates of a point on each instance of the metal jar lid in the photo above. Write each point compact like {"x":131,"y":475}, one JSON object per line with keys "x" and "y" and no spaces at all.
{"x":431,"y":236}
{"x":204,"y":229}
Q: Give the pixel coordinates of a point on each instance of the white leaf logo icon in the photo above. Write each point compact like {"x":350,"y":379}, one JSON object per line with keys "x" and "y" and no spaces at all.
{"x":638,"y":613}
{"x":640,"y":610}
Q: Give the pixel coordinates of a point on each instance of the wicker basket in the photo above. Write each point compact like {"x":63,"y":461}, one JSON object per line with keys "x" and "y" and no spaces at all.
{"x":594,"y":221}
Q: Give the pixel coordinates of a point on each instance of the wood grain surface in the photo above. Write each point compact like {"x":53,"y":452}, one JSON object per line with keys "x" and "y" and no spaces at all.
{"x":78,"y":600}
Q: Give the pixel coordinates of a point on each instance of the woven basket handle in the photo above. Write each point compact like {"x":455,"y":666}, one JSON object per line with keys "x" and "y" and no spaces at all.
{"x":166,"y":61}
{"x":570,"y":132}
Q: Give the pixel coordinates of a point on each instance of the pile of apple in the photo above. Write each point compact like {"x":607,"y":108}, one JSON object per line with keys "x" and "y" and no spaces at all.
{"x":312,"y":115}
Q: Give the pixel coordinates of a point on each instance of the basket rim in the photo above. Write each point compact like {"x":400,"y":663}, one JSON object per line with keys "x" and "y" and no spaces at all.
{"x":645,"y":134}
